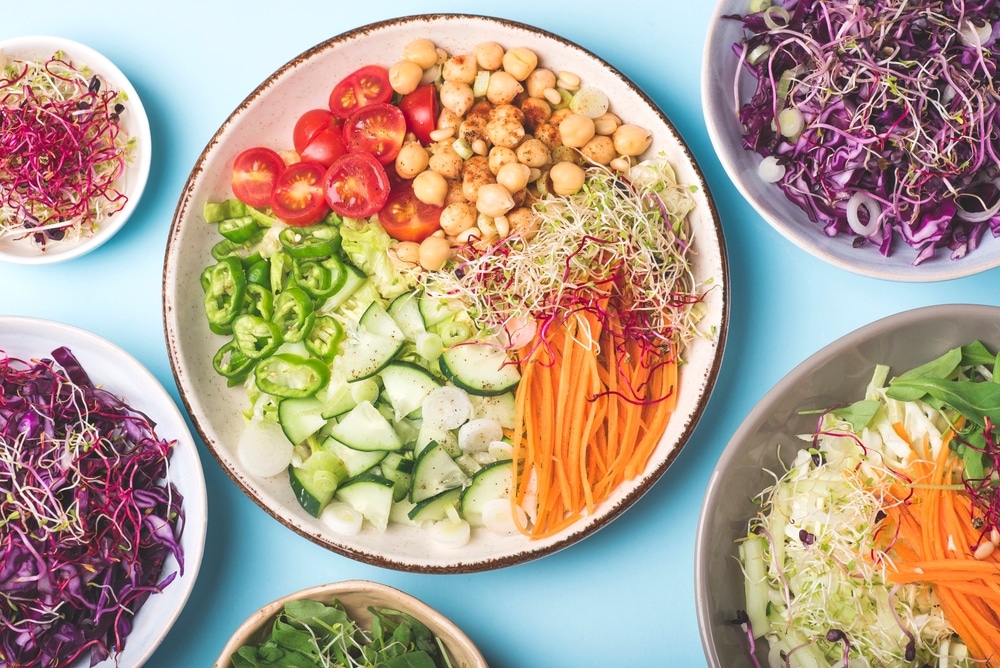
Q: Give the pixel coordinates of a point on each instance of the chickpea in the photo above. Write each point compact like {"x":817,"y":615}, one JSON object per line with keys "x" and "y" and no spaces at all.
{"x":457,"y":217}
{"x":430,"y":187}
{"x":505,"y":132}
{"x":600,"y":149}
{"x":473,"y":128}
{"x":405,"y":76}
{"x":500,"y":156}
{"x":514,"y":176}
{"x":411,"y":160}
{"x":523,"y":222}
{"x":536,"y":111}
{"x":631,"y":140}
{"x":448,"y":119}
{"x":520,"y":62}
{"x":506,"y":112}
{"x":533,"y":153}
{"x":576,"y":130}
{"x":493,"y":200}
{"x":446,"y":162}
{"x":455,"y":194}
{"x":408,"y":252}
{"x":434,"y":252}
{"x":538,"y":81}
{"x":475,"y":174}
{"x":460,"y":69}
{"x":456,"y":96}
{"x":421,"y":51}
{"x":567,"y":178}
{"x":548,"y":134}
{"x":606,"y":124}
{"x":559,"y":115}
{"x":489,"y":56}
{"x":502,"y":87}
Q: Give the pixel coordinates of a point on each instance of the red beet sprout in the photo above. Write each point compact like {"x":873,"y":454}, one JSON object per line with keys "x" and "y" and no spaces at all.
{"x":88,"y":517}
{"x":63,"y":151}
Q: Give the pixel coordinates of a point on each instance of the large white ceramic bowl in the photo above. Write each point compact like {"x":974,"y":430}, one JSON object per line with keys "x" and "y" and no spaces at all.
{"x":118,"y":372}
{"x":837,"y":374}
{"x":16,"y":248}
{"x":357,"y":596}
{"x":719,"y":98}
{"x":266,"y":117}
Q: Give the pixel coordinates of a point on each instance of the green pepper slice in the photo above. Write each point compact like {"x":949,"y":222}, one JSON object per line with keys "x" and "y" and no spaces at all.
{"x":216,"y":212}
{"x":294,"y":313}
{"x":224,"y":284}
{"x":259,"y":301}
{"x":290,"y":376}
{"x":256,"y":337}
{"x":281,"y":267}
{"x":324,"y":337}
{"x":259,"y":273}
{"x":317,"y":278}
{"x":238,"y":230}
{"x":232,"y":364}
{"x":310,"y":242}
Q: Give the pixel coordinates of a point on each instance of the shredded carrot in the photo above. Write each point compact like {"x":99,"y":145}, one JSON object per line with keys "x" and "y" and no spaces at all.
{"x":590,"y":412}
{"x":935,"y":546}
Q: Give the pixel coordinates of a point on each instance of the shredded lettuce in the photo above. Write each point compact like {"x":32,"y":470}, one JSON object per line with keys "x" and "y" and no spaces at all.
{"x":366,"y":245}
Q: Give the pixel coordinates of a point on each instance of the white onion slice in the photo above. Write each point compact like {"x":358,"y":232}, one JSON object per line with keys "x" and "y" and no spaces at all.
{"x":858,"y":200}
{"x":498,"y":519}
{"x":477,"y":434}
{"x":770,"y":170}
{"x":973,"y":35}
{"x":447,"y":407}
{"x":451,"y":532}
{"x":263,"y":449}
{"x":790,"y":122}
{"x":342,"y":518}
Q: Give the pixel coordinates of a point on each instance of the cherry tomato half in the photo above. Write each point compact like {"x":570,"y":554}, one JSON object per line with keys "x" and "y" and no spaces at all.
{"x":420,"y":109}
{"x":378,"y":129}
{"x":356,"y":185}
{"x":406,"y":218}
{"x":298,"y":197}
{"x":310,"y":124}
{"x":368,"y":85}
{"x":325,"y":147}
{"x":255,"y":172}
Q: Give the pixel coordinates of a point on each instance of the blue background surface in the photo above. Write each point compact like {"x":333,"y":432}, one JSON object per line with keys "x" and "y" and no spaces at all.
{"x":624,"y":596}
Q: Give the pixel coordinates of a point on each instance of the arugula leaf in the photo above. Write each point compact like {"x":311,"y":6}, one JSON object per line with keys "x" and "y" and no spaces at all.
{"x":977,"y":354}
{"x":859,"y":414}
{"x":975,"y":400}
{"x":941,"y":367}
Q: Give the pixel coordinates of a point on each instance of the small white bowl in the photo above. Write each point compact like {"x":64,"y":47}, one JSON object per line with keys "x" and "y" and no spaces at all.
{"x":118,"y":372}
{"x":719,"y":65}
{"x":17,"y":249}
{"x":356,"y":596}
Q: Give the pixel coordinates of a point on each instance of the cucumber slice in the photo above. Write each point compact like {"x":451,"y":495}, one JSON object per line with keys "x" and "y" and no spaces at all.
{"x":500,"y":407}
{"x":355,"y":461}
{"x":437,"y":309}
{"x":399,"y":470}
{"x":406,"y":386}
{"x":433,"y":472}
{"x":315,"y":481}
{"x":370,"y":495}
{"x":301,"y":418}
{"x":480,"y":368}
{"x":338,"y":398}
{"x":436,"y":507}
{"x":376,"y":341}
{"x":405,"y":311}
{"x":365,"y":428}
{"x":493,"y":481}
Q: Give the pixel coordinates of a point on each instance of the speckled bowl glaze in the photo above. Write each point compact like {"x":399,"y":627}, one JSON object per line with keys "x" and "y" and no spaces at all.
{"x":266,"y":117}
{"x":20,"y":250}
{"x":718,"y":93}
{"x":356,"y":596}
{"x":118,"y":372}
{"x":837,"y":374}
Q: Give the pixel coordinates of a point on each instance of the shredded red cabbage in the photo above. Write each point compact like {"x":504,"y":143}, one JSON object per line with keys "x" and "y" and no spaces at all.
{"x":898,"y":110}
{"x":88,"y":516}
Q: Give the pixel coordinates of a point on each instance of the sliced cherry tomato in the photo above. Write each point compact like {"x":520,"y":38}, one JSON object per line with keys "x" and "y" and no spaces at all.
{"x":406,"y":218}
{"x":378,"y":129}
{"x":420,"y":109}
{"x":255,"y":171}
{"x":325,"y":147}
{"x":356,"y":185}
{"x":368,"y":85}
{"x":298,"y":197}
{"x":310,"y":124}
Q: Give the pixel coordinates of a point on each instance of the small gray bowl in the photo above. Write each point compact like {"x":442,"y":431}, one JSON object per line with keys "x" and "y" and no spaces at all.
{"x":837,"y":373}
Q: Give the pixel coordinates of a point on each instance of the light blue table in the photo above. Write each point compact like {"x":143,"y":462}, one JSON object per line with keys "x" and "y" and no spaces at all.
{"x":624,"y":596}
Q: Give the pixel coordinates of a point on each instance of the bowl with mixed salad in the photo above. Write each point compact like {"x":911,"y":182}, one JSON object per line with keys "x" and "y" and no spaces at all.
{"x":103,"y":501}
{"x":446,"y":293}
{"x":76,"y":149}
{"x":863,"y":132}
{"x":353,"y":622}
{"x":852,"y":518}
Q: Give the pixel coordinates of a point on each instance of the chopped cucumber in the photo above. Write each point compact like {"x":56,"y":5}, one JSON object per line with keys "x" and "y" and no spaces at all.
{"x":301,"y":418}
{"x":355,"y":279}
{"x":355,"y":461}
{"x":436,"y":507}
{"x":437,"y":309}
{"x":406,"y":386}
{"x":493,"y":481}
{"x":433,"y":472}
{"x":316,"y":480}
{"x":480,"y":368}
{"x":337,"y":398}
{"x":365,"y":428}
{"x":405,"y":311}
{"x":399,"y":470}
{"x":370,"y":495}
{"x":500,"y":407}
{"x":373,"y":345}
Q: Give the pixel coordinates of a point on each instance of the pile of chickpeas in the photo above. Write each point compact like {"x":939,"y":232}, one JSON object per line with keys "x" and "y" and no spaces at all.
{"x":492,"y":154}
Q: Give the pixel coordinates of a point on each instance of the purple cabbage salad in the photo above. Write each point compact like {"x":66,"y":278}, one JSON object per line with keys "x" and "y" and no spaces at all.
{"x":88,"y":516}
{"x":878,"y":117}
